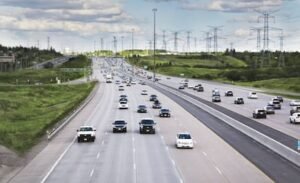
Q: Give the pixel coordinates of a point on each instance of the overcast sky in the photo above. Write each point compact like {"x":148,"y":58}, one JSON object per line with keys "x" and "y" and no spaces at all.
{"x":80,"y":24}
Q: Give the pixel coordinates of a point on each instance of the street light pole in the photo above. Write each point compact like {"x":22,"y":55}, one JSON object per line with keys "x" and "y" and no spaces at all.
{"x":154,"y":41}
{"x":132,"y":51}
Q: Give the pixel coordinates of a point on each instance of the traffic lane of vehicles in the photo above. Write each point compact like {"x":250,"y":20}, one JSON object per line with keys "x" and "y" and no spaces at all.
{"x":41,"y":164}
{"x":279,"y":121}
{"x":206,"y":155}
{"x":81,"y":158}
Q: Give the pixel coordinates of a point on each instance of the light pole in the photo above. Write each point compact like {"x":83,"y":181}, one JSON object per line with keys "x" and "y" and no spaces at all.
{"x":132,"y":39}
{"x":154,"y":41}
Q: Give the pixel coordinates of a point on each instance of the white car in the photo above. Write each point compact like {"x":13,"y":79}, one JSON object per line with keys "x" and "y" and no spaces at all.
{"x":144,"y":92}
{"x":121,"y":88}
{"x":295,"y":118}
{"x":86,"y":133}
{"x":184,"y":140}
{"x":123,"y":105}
{"x":295,"y":103}
{"x":252,"y":95}
{"x":191,"y":87}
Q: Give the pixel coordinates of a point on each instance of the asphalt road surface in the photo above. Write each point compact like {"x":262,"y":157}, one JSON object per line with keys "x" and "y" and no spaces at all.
{"x":132,"y":157}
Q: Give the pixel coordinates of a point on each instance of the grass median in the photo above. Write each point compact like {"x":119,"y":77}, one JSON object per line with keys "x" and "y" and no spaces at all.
{"x":26,"y":112}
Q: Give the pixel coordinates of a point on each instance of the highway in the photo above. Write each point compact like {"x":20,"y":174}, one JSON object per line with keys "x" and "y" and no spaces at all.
{"x":132,"y":157}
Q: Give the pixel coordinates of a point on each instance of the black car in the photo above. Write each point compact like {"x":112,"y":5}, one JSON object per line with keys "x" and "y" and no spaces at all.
{"x":119,"y":126}
{"x":181,"y":87}
{"x":228,"y":93}
{"x":156,"y":105}
{"x":164,"y":113}
{"x":239,"y":100}
{"x":294,"y":110}
{"x":153,"y":97}
{"x":147,"y":125}
{"x":259,"y":113}
{"x":142,"y":109}
{"x":280,"y":98}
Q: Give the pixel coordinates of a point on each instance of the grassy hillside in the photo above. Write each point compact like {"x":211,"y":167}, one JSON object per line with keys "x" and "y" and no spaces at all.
{"x":27,"y":112}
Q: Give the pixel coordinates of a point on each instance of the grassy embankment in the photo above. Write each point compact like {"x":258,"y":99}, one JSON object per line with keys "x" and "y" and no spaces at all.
{"x":225,"y":69}
{"x":26,"y":112}
{"x":46,"y":76}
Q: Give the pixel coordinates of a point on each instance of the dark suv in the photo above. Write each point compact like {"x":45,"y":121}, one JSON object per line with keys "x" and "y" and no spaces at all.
{"x":142,"y":109}
{"x":153,"y":97}
{"x":228,"y":93}
{"x":156,"y":105}
{"x":164,"y":113}
{"x":119,"y":126}
{"x":259,"y":113}
{"x":295,"y":109}
{"x":147,"y":125}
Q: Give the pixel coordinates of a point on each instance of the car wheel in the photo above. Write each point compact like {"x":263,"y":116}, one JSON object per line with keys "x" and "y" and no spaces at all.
{"x":78,"y":140}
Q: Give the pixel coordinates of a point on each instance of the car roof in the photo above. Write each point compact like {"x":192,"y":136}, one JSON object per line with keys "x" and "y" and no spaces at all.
{"x":147,"y":119}
{"x":86,"y":126}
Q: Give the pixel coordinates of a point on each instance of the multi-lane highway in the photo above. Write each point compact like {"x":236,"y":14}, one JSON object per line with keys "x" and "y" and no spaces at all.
{"x":133,"y":157}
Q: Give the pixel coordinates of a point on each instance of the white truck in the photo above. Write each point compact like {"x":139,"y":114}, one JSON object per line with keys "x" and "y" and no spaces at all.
{"x":109,"y":78}
{"x":86,"y":133}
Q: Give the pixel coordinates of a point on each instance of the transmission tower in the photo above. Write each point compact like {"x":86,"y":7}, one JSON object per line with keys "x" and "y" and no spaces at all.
{"x":208,"y":41}
{"x":266,"y":16}
{"x":281,"y":60}
{"x":115,"y":44}
{"x":215,"y":36}
{"x":195,"y":44}
{"x":258,"y":38}
{"x":188,"y":37}
{"x":102,"y":43}
{"x":164,"y":45}
{"x":175,"y":41}
{"x":48,"y":43}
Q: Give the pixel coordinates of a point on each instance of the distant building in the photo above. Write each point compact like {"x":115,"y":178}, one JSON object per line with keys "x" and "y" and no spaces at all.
{"x":7,"y":63}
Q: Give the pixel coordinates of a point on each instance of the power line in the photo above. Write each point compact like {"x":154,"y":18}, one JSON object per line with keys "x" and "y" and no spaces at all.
{"x":215,"y":36}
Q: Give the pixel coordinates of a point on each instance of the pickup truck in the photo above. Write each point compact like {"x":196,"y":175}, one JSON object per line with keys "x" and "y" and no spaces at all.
{"x":119,"y":126}
{"x":147,"y":125}
{"x":86,"y":133}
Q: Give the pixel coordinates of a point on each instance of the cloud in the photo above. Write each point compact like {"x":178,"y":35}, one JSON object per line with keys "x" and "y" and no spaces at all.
{"x":233,"y":5}
{"x":84,"y":17}
{"x":241,"y":32}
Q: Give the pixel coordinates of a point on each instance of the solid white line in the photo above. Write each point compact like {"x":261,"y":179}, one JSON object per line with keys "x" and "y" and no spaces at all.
{"x":204,"y":153}
{"x":102,"y":142}
{"x":92,"y":172}
{"x":57,"y":161}
{"x":98,"y":155}
{"x":133,"y":150}
{"x":134,"y":166}
{"x":133,"y":138}
{"x":173,"y":162}
{"x":218,"y":170}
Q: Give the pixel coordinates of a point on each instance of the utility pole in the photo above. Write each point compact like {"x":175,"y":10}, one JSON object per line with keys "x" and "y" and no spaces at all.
{"x":281,"y":60}
{"x":258,"y":38}
{"x":154,"y":42}
{"x":122,"y":39}
{"x":195,"y":44}
{"x":115,"y":45}
{"x":132,"y":43}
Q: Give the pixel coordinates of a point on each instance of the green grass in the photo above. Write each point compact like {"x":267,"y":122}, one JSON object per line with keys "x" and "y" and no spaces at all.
{"x":46,"y":76}
{"x":197,"y":61}
{"x":281,"y":84}
{"x":26,"y":112}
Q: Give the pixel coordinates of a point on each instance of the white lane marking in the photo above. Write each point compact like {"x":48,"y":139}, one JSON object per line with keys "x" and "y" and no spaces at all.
{"x":92,"y":172}
{"x":57,"y":161}
{"x":173,"y":162}
{"x":133,"y":138}
{"x":204,"y":153}
{"x":133,"y":150}
{"x":220,"y":172}
{"x":102,"y":142}
{"x":98,"y":155}
{"x":134,"y":166}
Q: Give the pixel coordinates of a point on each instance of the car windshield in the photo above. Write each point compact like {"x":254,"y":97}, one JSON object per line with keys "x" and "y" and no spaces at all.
{"x":123,"y":102}
{"x":148,"y":121}
{"x":253,"y":93}
{"x":260,"y":111}
{"x":83,"y":129}
{"x":142,"y":106}
{"x":184,"y":136}
{"x":164,"y":110}
{"x":269,"y":107}
{"x":119,"y":122}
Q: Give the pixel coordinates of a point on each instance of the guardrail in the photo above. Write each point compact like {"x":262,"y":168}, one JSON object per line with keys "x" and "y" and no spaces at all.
{"x":265,"y":140}
{"x":62,"y":123}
